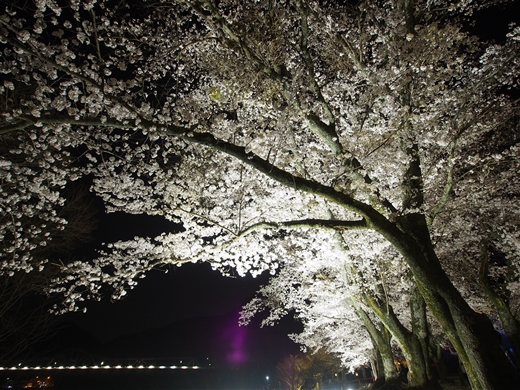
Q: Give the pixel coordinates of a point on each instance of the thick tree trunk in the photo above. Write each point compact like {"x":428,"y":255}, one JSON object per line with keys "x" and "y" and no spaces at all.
{"x":420,"y":327}
{"x":381,"y":340}
{"x":408,"y":341}
{"x":376,"y":364}
{"x":379,"y":334}
{"x":511,"y":328}
{"x":509,"y":323}
{"x":471,"y":333}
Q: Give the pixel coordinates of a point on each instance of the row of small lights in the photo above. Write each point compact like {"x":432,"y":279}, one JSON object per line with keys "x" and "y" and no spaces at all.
{"x":100,"y":367}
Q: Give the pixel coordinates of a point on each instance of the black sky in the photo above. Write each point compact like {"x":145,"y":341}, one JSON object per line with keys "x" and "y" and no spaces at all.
{"x":192,"y":290}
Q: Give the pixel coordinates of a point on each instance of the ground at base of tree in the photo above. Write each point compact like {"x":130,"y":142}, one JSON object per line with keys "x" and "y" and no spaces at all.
{"x":453,"y":384}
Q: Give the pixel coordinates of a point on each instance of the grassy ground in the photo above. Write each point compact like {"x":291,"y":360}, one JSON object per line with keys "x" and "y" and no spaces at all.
{"x":454,"y":384}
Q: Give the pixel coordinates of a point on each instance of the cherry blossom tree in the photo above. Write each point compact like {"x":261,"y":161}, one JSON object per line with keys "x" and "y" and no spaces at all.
{"x":318,"y":296}
{"x":343,"y":299}
{"x":264,"y":128}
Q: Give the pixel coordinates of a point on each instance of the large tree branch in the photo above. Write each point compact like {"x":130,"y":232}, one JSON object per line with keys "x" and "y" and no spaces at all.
{"x":447,"y":187}
{"x":326,"y":133}
{"x":330,"y":224}
{"x":373,"y":218}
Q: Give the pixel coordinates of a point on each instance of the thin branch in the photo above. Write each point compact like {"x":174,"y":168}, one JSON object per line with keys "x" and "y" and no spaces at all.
{"x":231,"y":39}
{"x":327,"y":133}
{"x":447,"y":187}
{"x":20,"y":125}
{"x":207,"y":219}
{"x":89,"y":80}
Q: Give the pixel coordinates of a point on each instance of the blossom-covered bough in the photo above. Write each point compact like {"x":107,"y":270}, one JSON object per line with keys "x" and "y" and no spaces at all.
{"x":266,"y":128}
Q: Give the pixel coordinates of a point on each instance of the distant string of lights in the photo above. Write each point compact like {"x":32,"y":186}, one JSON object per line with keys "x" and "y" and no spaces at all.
{"x":102,"y":367}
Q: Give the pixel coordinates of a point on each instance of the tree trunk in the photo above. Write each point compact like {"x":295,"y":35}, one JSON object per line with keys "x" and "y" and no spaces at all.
{"x":381,"y":340}
{"x":420,"y":327}
{"x":440,"y":365}
{"x":471,"y":333}
{"x":509,"y":323}
{"x":408,"y":341}
{"x":376,"y":364}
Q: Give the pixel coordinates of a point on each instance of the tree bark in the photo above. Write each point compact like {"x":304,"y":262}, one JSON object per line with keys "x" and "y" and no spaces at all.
{"x":420,"y":327}
{"x":409,"y":343}
{"x":471,"y":333}
{"x":381,"y":340}
{"x":510,"y":325}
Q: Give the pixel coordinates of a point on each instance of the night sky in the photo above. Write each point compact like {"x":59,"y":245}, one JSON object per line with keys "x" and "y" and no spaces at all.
{"x":192,"y":290}
{"x":162,"y":303}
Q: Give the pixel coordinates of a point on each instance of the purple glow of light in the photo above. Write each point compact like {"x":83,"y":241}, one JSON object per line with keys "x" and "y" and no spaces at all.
{"x":235,"y":339}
